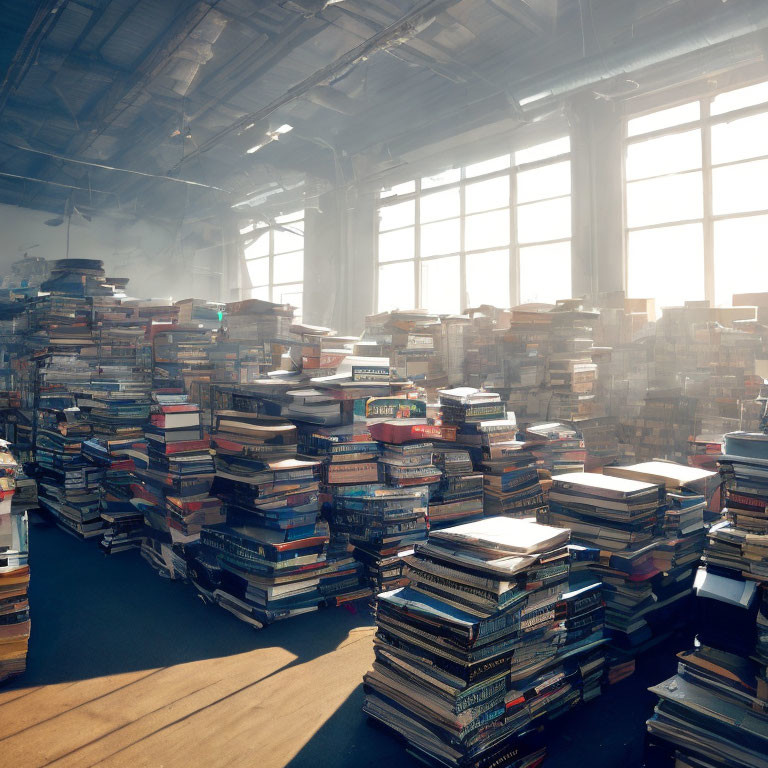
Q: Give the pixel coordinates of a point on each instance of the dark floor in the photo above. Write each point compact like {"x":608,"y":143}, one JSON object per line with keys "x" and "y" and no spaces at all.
{"x":95,"y":616}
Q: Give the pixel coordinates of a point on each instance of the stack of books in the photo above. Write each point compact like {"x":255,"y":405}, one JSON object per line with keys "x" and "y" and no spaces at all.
{"x":349,"y":453}
{"x":412,"y":342}
{"x":68,"y":485}
{"x":261,"y":324}
{"x":714,"y":711}
{"x":381,"y":524}
{"x":172,"y":483}
{"x":571,"y":373}
{"x":488,"y":432}
{"x":558,"y":448}
{"x":14,"y":574}
{"x":122,"y":519}
{"x":618,"y":527}
{"x":458,"y":497}
{"x":486,"y":644}
{"x":273,"y":557}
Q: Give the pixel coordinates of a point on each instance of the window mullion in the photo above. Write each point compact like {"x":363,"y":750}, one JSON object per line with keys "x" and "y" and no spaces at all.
{"x":514,"y":246}
{"x":417,"y":247}
{"x":709,"y":227}
{"x":463,"y":303}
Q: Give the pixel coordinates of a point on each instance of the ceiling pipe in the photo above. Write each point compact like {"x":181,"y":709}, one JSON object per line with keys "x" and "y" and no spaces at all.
{"x":737,"y":19}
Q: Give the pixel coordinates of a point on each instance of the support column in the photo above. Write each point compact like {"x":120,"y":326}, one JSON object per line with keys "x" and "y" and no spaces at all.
{"x":598,"y":209}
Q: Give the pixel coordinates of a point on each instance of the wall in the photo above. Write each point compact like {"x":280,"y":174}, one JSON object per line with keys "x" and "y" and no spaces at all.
{"x":161,"y":259}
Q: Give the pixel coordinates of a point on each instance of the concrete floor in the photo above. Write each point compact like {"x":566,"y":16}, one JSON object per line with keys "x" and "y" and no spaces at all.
{"x":126,"y":668}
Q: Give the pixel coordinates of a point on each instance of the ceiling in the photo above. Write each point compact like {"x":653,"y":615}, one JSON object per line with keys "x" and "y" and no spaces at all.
{"x":110,"y":104}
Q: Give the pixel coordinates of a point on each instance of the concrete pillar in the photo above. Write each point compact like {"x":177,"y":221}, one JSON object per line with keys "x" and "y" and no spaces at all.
{"x":598,"y":210}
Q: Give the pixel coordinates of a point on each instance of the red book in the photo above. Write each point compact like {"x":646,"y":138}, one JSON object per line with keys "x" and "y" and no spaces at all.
{"x":183,"y":446}
{"x":401,"y":431}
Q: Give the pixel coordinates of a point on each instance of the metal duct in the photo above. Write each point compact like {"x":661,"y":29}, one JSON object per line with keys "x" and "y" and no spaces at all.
{"x":735,"y":21}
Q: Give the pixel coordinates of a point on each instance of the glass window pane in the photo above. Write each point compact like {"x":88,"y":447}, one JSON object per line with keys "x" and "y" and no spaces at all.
{"x":741,"y":255}
{"x":259,"y":247}
{"x":740,"y":139}
{"x":668,"y":198}
{"x":396,"y":245}
{"x":290,"y":238}
{"x":677,"y":253}
{"x":742,"y":187}
{"x":667,"y":154}
{"x":440,"y":285}
{"x":406,"y":188}
{"x":548,"y":220}
{"x":289,"y":218}
{"x":543,"y":151}
{"x":665,"y":118}
{"x":486,"y":230}
{"x":450,"y":176}
{"x":399,"y":215}
{"x":258,"y":271}
{"x":396,"y":286}
{"x":740,"y":98}
{"x":485,"y":195}
{"x":441,"y":238}
{"x":548,"y":181}
{"x":487,"y":166}
{"x":262,"y":292}
{"x":545,"y":273}
{"x":488,"y":278}
{"x":439,"y":205}
{"x":288,"y":267}
{"x":249,"y":228}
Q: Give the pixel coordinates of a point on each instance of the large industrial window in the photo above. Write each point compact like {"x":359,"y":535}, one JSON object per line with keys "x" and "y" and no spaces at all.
{"x":274,"y":256}
{"x":496,"y":232}
{"x":697,"y":199}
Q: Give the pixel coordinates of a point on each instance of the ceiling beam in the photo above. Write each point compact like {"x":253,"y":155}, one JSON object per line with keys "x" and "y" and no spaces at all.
{"x":407,"y":26}
{"x":43,"y":21}
{"x":124,"y":91}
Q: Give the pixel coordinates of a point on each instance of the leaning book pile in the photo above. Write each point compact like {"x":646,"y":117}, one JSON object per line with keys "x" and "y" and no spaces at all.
{"x":485,"y":645}
{"x":14,"y":574}
{"x":714,"y":711}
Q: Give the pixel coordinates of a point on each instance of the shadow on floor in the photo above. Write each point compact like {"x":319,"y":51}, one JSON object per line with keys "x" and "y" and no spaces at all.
{"x":95,"y":615}
{"x":608,"y":732}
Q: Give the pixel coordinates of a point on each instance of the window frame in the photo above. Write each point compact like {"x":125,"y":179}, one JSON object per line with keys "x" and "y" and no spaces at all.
{"x":512,"y":246}
{"x":708,"y":219}
{"x":247,"y":238}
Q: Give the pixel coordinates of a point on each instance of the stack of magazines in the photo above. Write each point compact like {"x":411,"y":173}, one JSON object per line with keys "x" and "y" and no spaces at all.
{"x":486,"y":644}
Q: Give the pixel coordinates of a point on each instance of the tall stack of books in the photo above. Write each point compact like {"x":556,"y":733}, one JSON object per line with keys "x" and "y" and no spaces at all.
{"x":411,"y":340}
{"x":68,"y":485}
{"x":487,"y":432}
{"x":524,"y":352}
{"x":558,"y":448}
{"x":272,"y":558}
{"x":485,"y":645}
{"x":381,"y":524}
{"x":172,"y":484}
{"x":14,"y":574}
{"x":261,"y":325}
{"x":643,"y":543}
{"x":458,"y":497}
{"x":714,"y":711}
